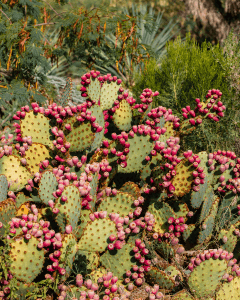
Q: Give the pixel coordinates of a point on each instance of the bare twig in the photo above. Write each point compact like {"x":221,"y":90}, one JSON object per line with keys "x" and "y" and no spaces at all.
{"x":6,"y":16}
{"x":53,"y":9}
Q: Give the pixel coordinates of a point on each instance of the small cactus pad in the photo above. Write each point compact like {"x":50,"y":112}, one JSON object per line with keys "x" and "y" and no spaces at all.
{"x":120,"y":261}
{"x":7,"y":212}
{"x":140,"y":147}
{"x":231,"y":242}
{"x":131,"y":188}
{"x":27,"y":259}
{"x":208,"y":200}
{"x":122,"y":117}
{"x":3,"y":187}
{"x":183,"y":179}
{"x":38,"y":127}
{"x":82,"y":223}
{"x":81,"y":136}
{"x":206,"y":277}
{"x":156,"y":276}
{"x":109,"y":93}
{"x":182,"y":295}
{"x":21,"y":199}
{"x":94,"y":89}
{"x":34,"y":155}
{"x":229,"y":290}
{"x":98,"y":113}
{"x":71,"y":209}
{"x":121,"y":203}
{"x":48,"y":184}
{"x":169,"y":132}
{"x":161,"y":212}
{"x":69,"y":245}
{"x":95,"y":235}
{"x":16,"y":174}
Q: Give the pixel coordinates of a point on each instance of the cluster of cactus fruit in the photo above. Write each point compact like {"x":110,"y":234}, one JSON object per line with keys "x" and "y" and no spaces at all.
{"x":99,"y":188}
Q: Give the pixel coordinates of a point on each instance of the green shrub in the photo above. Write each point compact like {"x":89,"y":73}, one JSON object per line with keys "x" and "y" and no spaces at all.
{"x":186,"y":72}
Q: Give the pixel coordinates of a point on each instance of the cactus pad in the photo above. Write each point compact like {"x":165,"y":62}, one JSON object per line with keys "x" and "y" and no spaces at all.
{"x":27,"y":259}
{"x":183,"y":179}
{"x":205,"y":278}
{"x":48,"y":184}
{"x":38,"y":127}
{"x":120,"y":261}
{"x":122,"y":117}
{"x":95,"y":235}
{"x":3,"y":187}
{"x":15,"y":173}
{"x":229,"y":290}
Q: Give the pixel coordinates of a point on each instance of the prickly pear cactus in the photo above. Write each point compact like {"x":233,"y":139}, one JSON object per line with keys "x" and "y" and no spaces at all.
{"x":105,"y":188}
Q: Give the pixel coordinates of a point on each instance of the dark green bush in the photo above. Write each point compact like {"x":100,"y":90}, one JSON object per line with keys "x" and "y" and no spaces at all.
{"x":185,"y":73}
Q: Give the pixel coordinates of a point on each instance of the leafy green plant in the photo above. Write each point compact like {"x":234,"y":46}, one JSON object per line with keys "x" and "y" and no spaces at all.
{"x":186,"y":71}
{"x":147,"y":30}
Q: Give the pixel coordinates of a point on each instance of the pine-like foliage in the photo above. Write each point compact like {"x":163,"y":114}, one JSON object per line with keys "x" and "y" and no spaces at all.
{"x":24,"y":50}
{"x":186,"y":72}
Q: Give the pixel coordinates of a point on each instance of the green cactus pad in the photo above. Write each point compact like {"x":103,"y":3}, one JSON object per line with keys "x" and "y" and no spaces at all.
{"x":94,"y":89}
{"x":72,"y":250}
{"x":15,"y":173}
{"x":3,"y":188}
{"x":156,"y":276}
{"x":98,"y":113}
{"x":208,"y":200}
{"x":38,"y":127}
{"x":28,"y":259}
{"x":187,"y":232}
{"x":162,"y":212}
{"x":120,"y":261}
{"x":81,"y":137}
{"x":83,"y":223}
{"x":205,"y":234}
{"x":48,"y":184}
{"x":229,"y":290}
{"x":34,"y":155}
{"x":225,"y":213}
{"x":109,"y":93}
{"x":121,"y":203}
{"x":183,"y":179}
{"x":69,"y":210}
{"x":231,"y":239}
{"x":20,"y":199}
{"x":173,"y":272}
{"x":94,"y":185}
{"x":122,"y":117}
{"x":67,"y":93}
{"x":7,"y":212}
{"x":182,"y":295}
{"x":96,"y":274}
{"x":205,"y":278}
{"x":145,"y":172}
{"x":140,"y":147}
{"x":95,"y":235}
{"x":131,"y":188}
{"x":169,"y":132}
{"x":23,"y":289}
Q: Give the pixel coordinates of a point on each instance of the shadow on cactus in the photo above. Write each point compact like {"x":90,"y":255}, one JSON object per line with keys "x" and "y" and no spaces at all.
{"x":97,"y":190}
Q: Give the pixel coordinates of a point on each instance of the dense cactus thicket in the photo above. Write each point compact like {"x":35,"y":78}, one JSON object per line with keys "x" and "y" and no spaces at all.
{"x":99,"y":202}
